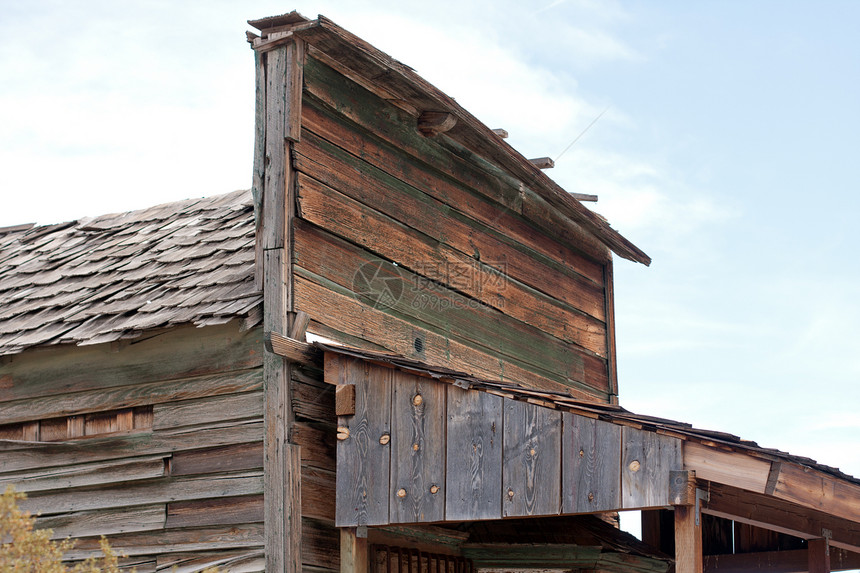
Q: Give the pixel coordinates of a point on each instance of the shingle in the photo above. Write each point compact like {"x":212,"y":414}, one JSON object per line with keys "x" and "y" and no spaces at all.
{"x":117,"y":275}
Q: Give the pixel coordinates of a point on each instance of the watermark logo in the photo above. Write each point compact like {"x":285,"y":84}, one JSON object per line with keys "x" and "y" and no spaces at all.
{"x":378,"y":284}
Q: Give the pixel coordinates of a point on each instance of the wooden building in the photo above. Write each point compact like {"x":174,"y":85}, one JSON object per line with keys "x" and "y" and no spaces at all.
{"x":156,"y":385}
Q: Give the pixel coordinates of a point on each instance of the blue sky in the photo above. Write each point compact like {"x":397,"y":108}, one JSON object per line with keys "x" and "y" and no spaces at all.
{"x":727,"y":151}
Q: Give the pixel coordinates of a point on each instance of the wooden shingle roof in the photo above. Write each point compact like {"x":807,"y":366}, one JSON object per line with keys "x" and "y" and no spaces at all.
{"x":115,"y":276}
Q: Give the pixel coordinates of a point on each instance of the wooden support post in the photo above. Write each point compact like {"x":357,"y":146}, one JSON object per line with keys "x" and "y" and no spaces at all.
{"x":353,"y":551}
{"x":688,"y":521}
{"x":279,"y":81}
{"x":688,"y":540}
{"x":819,"y":555}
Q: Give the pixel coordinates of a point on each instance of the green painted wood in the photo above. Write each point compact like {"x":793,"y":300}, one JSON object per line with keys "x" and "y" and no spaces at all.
{"x":417,"y":449}
{"x":647,"y":458}
{"x":363,"y":459}
{"x":440,"y":216}
{"x":453,"y":161}
{"x":338,"y":309}
{"x":192,"y":351}
{"x":411,"y":297}
{"x":531,"y":464}
{"x":473,"y":456}
{"x":489,"y":273}
{"x":591,"y":465}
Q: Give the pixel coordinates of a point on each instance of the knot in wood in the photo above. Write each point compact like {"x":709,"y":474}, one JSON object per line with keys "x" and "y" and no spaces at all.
{"x":434,"y":489}
{"x":634,"y":466}
{"x":384,"y":439}
{"x":590,"y":496}
{"x":510,"y":493}
{"x":401,"y":493}
{"x":581,"y":453}
{"x":415,"y":447}
{"x":532,"y":452}
{"x":342,"y":433}
{"x":417,"y":400}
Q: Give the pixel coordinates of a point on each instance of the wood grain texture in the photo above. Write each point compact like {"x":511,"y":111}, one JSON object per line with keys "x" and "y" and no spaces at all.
{"x":218,"y":511}
{"x":731,"y":468}
{"x":354,"y":557}
{"x":392,"y":125}
{"x":149,"y":492}
{"x":104,"y":522}
{"x":531,"y":464}
{"x":816,"y":490}
{"x":474,"y":455}
{"x":235,"y":457}
{"x":647,"y":458}
{"x":337,"y":308}
{"x":408,"y":193}
{"x":418,"y":441}
{"x":192,"y":351}
{"x":688,"y":540}
{"x":56,"y":454}
{"x":81,"y":475}
{"x":591,"y":465}
{"x":363,"y":462}
{"x":243,"y":406}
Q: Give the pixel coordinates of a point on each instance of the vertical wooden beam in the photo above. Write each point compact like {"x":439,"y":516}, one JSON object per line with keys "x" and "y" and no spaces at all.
{"x":611,"y":365}
{"x":353,"y":551}
{"x":688,"y":540}
{"x":279,"y":80}
{"x":819,"y":555}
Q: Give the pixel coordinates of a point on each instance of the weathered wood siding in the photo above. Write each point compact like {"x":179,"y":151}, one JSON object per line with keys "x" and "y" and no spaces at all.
{"x":417,"y":450}
{"x":416,"y":245}
{"x":157,"y":443}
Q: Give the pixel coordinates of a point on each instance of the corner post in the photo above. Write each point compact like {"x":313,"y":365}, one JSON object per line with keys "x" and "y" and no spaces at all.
{"x":279,"y":92}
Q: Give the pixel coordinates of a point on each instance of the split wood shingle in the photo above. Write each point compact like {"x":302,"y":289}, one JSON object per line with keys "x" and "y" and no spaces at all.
{"x":114,"y":276}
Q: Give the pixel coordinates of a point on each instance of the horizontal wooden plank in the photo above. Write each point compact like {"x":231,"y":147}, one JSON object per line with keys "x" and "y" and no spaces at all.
{"x":814,"y":489}
{"x":192,"y":351}
{"x":394,"y":127}
{"x":340,"y":311}
{"x":438,"y":213}
{"x":320,"y":544}
{"x":792,"y":561}
{"x":235,"y":561}
{"x":81,"y":475}
{"x":130,"y":396}
{"x":23,"y":456}
{"x":390,"y":289}
{"x":210,"y":409}
{"x":318,"y":444}
{"x":174,"y":541}
{"x":318,"y":494}
{"x":735,"y":469}
{"x":232,"y":458}
{"x":104,"y":521}
{"x":217,"y":511}
{"x":153,"y":491}
{"x":313,"y":399}
{"x":492,"y":279}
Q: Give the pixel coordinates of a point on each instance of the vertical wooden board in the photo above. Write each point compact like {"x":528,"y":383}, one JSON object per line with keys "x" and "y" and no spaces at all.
{"x":363,"y":458}
{"x":688,"y":540}
{"x":591,"y":465}
{"x":531,"y":463}
{"x":474,"y":455}
{"x":417,"y":449}
{"x":646,"y":461}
